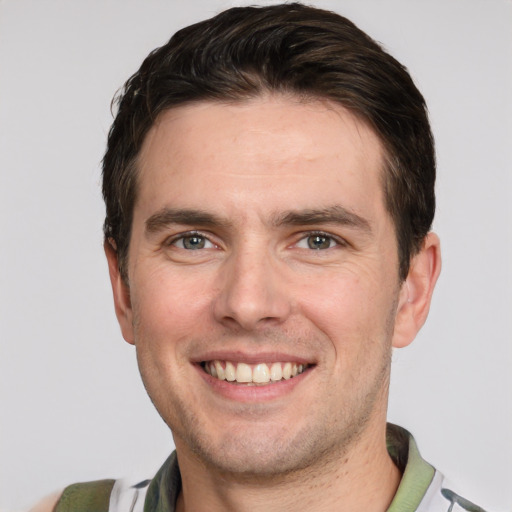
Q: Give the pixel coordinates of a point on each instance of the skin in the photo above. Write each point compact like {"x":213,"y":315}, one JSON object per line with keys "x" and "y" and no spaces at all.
{"x":47,"y":504}
{"x":255,"y":291}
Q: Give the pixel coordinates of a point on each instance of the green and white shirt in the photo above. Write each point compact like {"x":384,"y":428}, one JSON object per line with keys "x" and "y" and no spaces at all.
{"x":422,"y":488}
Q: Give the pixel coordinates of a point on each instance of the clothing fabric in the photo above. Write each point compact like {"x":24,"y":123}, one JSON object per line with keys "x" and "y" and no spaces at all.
{"x":422,"y":488}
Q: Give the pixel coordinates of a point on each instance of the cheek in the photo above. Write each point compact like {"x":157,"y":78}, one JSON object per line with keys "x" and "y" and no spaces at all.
{"x":352,"y":308}
{"x":170,"y":307}
{"x":167,"y":315}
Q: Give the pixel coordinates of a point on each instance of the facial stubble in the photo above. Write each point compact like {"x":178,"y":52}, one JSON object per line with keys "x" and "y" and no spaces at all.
{"x":248,"y":452}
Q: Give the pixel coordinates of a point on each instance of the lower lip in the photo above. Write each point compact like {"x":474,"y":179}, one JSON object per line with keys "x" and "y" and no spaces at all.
{"x":255,"y":393}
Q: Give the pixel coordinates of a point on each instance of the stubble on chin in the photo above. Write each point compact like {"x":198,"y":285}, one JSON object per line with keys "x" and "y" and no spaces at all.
{"x":244,"y":452}
{"x":280,"y":454}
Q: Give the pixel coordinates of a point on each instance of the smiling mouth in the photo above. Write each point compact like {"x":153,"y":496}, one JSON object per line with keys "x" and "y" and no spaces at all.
{"x":253,"y":374}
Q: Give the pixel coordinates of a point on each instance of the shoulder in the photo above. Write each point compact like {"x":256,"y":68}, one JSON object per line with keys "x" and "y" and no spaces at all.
{"x":443,"y":496}
{"x":81,"y":497}
{"x":117,"y":495}
{"x":48,"y":503}
{"x":97,"y":496}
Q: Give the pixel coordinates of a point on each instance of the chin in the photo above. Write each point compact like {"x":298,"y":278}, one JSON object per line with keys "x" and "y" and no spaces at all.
{"x":259,"y":459}
{"x":256,"y":453}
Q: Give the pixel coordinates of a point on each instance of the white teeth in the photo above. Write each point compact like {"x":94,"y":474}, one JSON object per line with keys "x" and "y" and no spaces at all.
{"x":260,"y":373}
{"x":220,"y":371}
{"x":257,"y":374}
{"x":230,"y":372}
{"x":287,"y":371}
{"x":276,"y":372}
{"x":243,"y":373}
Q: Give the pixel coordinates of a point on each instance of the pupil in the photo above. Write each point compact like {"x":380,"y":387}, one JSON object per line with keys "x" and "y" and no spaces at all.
{"x":194,"y":242}
{"x":318,"y":242}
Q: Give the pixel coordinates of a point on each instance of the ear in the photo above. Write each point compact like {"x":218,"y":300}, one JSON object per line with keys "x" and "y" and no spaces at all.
{"x":416,"y":291}
{"x":121,"y":292}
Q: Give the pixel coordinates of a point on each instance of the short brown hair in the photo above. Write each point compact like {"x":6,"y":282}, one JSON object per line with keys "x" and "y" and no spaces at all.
{"x":244,"y":52}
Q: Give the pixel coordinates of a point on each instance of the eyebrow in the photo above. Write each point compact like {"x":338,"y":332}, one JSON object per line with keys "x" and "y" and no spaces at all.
{"x":331,"y":215}
{"x":190,"y":217}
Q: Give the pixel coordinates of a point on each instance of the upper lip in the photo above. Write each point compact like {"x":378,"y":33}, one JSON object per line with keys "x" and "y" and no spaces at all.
{"x":252,"y":357}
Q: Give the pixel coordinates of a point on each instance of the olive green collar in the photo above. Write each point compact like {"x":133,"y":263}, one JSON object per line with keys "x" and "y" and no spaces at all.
{"x":416,"y":478}
{"x":417,"y":474}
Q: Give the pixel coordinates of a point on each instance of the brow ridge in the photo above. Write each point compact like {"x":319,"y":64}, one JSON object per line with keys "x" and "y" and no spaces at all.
{"x":186,"y":216}
{"x":336,"y":214}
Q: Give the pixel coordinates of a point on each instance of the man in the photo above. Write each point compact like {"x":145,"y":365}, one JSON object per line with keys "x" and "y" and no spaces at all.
{"x":269,"y":184}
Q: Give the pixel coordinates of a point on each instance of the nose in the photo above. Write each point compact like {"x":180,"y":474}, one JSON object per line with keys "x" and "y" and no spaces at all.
{"x":252,"y":291}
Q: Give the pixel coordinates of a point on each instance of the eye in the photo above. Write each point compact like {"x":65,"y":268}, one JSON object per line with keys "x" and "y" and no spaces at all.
{"x":192,"y":242}
{"x":317,"y":241}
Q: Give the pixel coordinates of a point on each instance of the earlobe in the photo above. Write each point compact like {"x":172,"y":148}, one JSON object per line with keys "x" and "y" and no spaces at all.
{"x":416,"y":292}
{"x":120,"y":291}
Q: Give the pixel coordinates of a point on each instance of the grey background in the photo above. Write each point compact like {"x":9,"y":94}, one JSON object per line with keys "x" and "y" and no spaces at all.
{"x":72,"y":407}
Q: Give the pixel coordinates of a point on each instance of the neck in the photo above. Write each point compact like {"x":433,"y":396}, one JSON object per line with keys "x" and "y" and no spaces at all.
{"x":363,"y":479}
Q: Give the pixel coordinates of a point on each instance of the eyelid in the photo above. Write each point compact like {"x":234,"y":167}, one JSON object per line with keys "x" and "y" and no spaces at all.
{"x":337,"y":239}
{"x":320,"y":232}
{"x":169,"y":241}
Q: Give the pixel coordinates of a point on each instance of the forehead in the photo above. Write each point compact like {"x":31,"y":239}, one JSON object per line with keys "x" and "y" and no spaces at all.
{"x":243,"y":151}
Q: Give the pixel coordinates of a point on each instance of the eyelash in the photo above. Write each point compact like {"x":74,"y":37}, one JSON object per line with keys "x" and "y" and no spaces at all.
{"x":303,"y":236}
{"x":189,"y":234}
{"x":338,"y":241}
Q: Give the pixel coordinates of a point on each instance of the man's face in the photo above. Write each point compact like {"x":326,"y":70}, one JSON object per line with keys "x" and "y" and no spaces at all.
{"x":261,"y":246}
